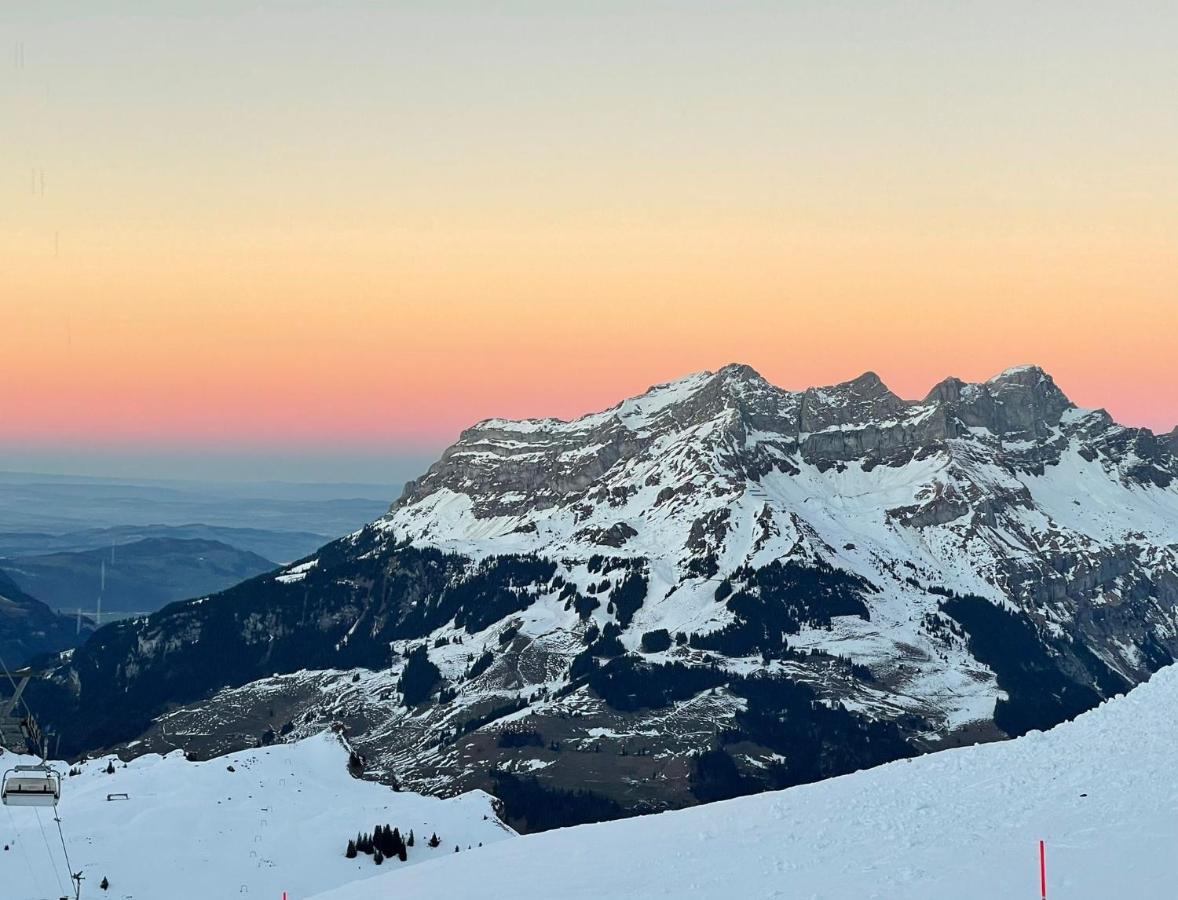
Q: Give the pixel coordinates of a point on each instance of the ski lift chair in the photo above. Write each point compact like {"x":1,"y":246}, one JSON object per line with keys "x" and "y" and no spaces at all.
{"x":31,"y":786}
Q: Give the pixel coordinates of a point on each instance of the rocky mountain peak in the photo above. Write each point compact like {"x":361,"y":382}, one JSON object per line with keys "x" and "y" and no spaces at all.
{"x":1026,"y":403}
{"x":740,"y":372}
{"x":858,"y":401}
{"x":1022,"y":403}
{"x":869,"y":382}
{"x":947,"y":391}
{"x":706,"y":395}
{"x":734,"y":424}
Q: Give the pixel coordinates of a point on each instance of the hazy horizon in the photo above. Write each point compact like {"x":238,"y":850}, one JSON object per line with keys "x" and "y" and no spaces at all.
{"x":389,"y":467}
{"x":289,"y":463}
{"x":226,"y":467}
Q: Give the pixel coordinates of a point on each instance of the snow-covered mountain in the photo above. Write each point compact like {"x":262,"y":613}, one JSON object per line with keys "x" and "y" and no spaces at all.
{"x":966,"y":823}
{"x":1002,"y":490}
{"x":255,"y":823}
{"x":713,"y":588}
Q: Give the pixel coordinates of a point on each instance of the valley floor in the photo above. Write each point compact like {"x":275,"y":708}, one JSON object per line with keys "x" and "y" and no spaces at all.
{"x":1101,"y":791}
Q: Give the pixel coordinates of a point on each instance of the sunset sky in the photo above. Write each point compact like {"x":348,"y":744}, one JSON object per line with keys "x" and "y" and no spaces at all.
{"x":315,"y":240}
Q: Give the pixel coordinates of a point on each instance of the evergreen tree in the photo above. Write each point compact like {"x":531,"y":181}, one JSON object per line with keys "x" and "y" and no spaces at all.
{"x":434,"y":841}
{"x":355,"y":764}
{"x":110,"y":768}
{"x":403,"y":852}
{"x":419,"y":677}
{"x":378,"y":858}
{"x":396,"y":844}
{"x":104,"y":884}
{"x":351,"y":851}
{"x":409,"y":841}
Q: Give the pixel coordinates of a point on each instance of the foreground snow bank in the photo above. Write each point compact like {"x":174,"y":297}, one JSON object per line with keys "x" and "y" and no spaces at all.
{"x":963,"y":824}
{"x":197,"y":831}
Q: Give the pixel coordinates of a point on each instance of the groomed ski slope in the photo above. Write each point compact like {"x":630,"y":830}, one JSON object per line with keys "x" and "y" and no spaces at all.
{"x":1102,"y":791}
{"x":196,"y":831}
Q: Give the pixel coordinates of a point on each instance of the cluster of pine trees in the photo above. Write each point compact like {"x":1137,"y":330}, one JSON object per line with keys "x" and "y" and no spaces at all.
{"x":384,"y":843}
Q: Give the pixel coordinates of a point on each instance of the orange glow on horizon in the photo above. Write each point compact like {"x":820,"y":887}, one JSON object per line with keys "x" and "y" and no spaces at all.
{"x":372,"y":228}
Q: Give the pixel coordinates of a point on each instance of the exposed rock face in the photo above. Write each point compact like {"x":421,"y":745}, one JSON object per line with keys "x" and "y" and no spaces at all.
{"x":508,"y":468}
{"x":1171,"y":441}
{"x":787,"y":570}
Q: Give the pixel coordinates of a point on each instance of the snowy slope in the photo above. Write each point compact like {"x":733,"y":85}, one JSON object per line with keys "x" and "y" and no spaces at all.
{"x":196,"y":831}
{"x":962,"y":824}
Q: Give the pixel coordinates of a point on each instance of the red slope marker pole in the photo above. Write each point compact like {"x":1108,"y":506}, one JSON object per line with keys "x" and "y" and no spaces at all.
{"x":1042,"y":871}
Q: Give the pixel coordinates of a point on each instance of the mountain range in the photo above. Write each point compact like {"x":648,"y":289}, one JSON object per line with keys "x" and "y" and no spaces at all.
{"x":139,"y":576}
{"x":53,"y":513}
{"x":711,"y":589}
{"x":280,"y":546}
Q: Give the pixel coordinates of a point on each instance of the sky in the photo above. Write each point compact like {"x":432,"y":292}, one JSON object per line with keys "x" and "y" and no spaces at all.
{"x":316,"y":240}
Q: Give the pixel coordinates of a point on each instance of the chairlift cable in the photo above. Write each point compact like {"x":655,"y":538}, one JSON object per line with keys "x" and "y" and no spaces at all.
{"x":48,"y":849}
{"x":76,"y":877}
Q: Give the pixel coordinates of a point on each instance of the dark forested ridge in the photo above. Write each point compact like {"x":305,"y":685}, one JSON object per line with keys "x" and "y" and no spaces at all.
{"x":29,"y":628}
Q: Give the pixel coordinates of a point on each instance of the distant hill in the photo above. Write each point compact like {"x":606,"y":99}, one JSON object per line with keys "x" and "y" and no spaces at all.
{"x":61,"y":504}
{"x":28,"y":627}
{"x":280,"y":546}
{"x":141,"y":576}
